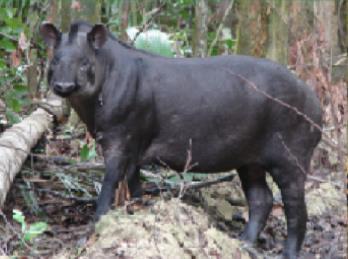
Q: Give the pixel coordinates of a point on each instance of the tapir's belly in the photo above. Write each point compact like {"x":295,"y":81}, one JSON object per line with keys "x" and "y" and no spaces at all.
{"x":215,"y":152}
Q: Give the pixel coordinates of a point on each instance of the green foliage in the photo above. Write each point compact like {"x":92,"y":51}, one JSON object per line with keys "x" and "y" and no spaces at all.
{"x":12,"y":117}
{"x":154,"y":41}
{"x":18,"y":23}
{"x":34,"y":229}
{"x":19,"y":217}
{"x":88,"y":152}
{"x":7,"y":45}
{"x":10,"y":29}
{"x":16,"y":97}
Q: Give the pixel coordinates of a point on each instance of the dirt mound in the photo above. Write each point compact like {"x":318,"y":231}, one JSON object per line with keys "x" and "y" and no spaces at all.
{"x":170,"y":229}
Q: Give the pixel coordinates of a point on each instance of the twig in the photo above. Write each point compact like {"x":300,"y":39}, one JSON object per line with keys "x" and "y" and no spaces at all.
{"x":150,"y":174}
{"x":286,"y":105}
{"x":291,"y":154}
{"x":221,"y":25}
{"x":146,"y":173}
{"x":84,"y":166}
{"x":188,"y":166}
{"x":68,"y":197}
{"x":3,"y":253}
{"x":152,"y":15}
{"x":50,"y":108}
{"x":8,"y":36}
{"x":321,"y":180}
{"x":164,"y":164}
{"x":198,"y":185}
{"x":5,"y":35}
{"x":250,"y":249}
{"x":194,"y":185}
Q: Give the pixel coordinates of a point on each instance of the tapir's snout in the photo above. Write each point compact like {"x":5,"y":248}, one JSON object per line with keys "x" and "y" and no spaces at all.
{"x":64,"y":89}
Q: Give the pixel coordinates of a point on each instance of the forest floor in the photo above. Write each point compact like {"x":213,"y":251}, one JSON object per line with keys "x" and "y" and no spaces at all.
{"x":206,"y":223}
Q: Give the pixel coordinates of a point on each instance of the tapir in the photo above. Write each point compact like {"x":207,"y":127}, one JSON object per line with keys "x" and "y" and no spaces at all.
{"x":232,"y":112}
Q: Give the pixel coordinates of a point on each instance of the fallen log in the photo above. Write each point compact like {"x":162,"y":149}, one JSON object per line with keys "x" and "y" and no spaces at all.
{"x":15,"y":145}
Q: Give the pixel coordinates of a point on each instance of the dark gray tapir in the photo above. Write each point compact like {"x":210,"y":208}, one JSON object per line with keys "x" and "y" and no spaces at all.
{"x":235,"y":112}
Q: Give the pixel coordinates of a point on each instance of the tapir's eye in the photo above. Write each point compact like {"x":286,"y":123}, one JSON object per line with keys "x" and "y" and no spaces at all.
{"x":84,"y":64}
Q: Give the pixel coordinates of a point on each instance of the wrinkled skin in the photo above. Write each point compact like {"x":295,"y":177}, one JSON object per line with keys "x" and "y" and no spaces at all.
{"x":146,"y":109}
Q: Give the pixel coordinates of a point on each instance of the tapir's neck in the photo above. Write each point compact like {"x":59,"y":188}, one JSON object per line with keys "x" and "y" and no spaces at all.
{"x":85,"y":108}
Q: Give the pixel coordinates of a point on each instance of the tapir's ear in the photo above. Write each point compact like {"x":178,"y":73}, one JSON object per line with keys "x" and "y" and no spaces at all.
{"x":50,"y":34}
{"x":97,"y":36}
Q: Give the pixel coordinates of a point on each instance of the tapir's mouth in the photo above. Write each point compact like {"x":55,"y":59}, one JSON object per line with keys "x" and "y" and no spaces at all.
{"x":66,"y":90}
{"x":61,"y":93}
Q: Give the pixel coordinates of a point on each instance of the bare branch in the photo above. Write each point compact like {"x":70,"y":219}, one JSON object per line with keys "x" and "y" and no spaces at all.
{"x":291,"y":154}
{"x":221,"y":25}
{"x":284,"y":104}
{"x":152,"y":14}
{"x":198,"y":185}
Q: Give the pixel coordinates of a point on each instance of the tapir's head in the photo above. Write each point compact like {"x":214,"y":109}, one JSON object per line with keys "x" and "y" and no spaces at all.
{"x":74,"y":67}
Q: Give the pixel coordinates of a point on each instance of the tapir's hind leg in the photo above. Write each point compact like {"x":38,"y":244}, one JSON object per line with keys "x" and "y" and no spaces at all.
{"x":259,"y":198}
{"x":134,"y":183}
{"x":291,"y":179}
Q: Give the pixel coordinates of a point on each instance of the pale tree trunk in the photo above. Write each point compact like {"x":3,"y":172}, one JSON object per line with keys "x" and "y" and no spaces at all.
{"x":87,"y":10}
{"x":125,"y":7}
{"x":342,"y":10}
{"x":52,"y":11}
{"x":201,"y":29}
{"x":32,"y":74}
{"x":343,"y":38}
{"x":252,"y":31}
{"x":301,"y":21}
{"x":15,"y":145}
{"x":327,"y":23}
{"x":65,"y":15}
{"x":226,"y":9}
{"x":133,"y":13}
{"x":278,"y":31}
{"x":327,"y":19}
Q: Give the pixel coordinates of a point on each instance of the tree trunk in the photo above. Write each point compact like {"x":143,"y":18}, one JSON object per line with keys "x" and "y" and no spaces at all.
{"x":87,"y":10}
{"x":252,"y":31}
{"x":342,"y":10}
{"x":201,"y":29}
{"x":15,"y":145}
{"x":125,"y":7}
{"x":133,"y":13}
{"x":52,"y":11}
{"x":32,"y":74}
{"x":65,"y":15}
{"x":327,"y":24}
{"x":301,"y":20}
{"x":278,"y":31}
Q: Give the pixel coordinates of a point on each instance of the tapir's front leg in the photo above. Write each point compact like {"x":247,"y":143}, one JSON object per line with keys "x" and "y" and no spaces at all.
{"x":117,"y":163}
